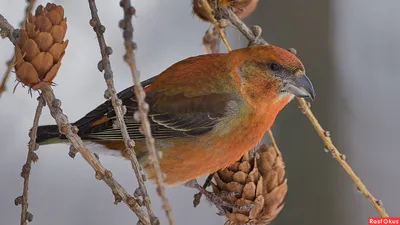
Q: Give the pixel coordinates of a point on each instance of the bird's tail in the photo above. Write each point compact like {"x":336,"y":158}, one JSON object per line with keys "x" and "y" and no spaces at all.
{"x":48,"y":134}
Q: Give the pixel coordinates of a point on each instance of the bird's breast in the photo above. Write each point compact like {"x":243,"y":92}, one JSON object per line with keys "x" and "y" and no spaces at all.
{"x":187,"y":158}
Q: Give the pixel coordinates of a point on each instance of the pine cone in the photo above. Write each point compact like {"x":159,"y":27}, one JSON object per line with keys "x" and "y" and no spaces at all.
{"x":242,"y":8}
{"x":41,"y":46}
{"x":259,"y":180}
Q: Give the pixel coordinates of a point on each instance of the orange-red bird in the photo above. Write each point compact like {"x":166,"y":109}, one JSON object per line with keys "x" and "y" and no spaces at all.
{"x":205,"y":111}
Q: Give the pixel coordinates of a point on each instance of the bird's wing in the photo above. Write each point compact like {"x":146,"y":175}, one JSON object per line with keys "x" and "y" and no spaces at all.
{"x":170,"y":116}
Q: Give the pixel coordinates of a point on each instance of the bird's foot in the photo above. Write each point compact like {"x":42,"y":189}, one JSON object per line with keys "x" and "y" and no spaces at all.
{"x":218,"y":200}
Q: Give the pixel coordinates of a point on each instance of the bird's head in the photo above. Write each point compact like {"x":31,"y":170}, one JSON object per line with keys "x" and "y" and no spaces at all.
{"x":269,"y":70}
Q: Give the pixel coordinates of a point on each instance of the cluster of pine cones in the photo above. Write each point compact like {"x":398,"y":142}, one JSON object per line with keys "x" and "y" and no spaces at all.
{"x":258,"y":180}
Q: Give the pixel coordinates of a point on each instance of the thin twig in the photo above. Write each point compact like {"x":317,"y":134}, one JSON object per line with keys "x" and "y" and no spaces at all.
{"x":28,"y":10}
{"x":252,"y":35}
{"x":211,"y":41}
{"x":7,"y":30}
{"x":325,"y":136}
{"x":118,"y":108}
{"x":273,"y":141}
{"x":26,"y":169}
{"x":129,"y":58}
{"x":10,"y":65}
{"x":216,"y":24}
{"x":207,"y":182}
{"x":257,"y":39}
{"x":12,"y":36}
{"x":101,"y":172}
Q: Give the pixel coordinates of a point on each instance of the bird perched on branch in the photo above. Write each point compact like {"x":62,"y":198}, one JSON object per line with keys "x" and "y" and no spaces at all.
{"x":205,"y":111}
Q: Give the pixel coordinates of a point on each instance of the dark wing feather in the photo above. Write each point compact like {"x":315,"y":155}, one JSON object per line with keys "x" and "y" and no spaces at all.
{"x":169,"y":116}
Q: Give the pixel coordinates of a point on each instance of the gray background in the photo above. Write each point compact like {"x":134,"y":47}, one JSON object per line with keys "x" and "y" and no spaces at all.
{"x":350,"y":49}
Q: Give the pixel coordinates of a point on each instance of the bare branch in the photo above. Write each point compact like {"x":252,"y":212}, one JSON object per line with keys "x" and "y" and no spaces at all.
{"x":129,"y":57}
{"x":117,"y":103}
{"x":101,"y":172}
{"x":10,"y":65}
{"x":252,"y":35}
{"x":217,"y":24}
{"x":273,"y":141}
{"x":325,"y":136}
{"x":26,"y":169}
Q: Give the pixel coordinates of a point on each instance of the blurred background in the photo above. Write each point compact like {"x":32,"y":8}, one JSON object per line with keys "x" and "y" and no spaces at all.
{"x":350,"y":50}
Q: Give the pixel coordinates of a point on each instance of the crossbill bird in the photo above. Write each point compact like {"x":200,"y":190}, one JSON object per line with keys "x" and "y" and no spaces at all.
{"x":205,"y":111}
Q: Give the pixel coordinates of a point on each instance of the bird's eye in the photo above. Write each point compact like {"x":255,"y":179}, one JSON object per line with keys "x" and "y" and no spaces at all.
{"x":274,"y":67}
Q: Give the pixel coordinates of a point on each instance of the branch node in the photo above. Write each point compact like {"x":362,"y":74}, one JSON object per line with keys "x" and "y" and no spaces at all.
{"x":118,"y":102}
{"x":327,"y":133}
{"x":96,"y":155}
{"x":100,"y":67}
{"x":101,"y":29}
{"x":257,"y":31}
{"x":117,"y":199}
{"x":127,"y":153}
{"x":92,"y":23}
{"x":99,"y":175}
{"x":36,"y":147}
{"x":292,"y":50}
{"x":3,"y":34}
{"x":72,"y":151}
{"x":75,"y":129}
{"x":123,"y":109}
{"x":26,"y":168}
{"x":122,"y":24}
{"x":131,"y":201}
{"x":136,"y":116}
{"x":56,"y":103}
{"x":109,"y":50}
{"x":18,"y":200}
{"x":154,"y":221}
{"x":72,"y":154}
{"x":138,"y":193}
{"x":116,"y":124}
{"x":34,"y":157}
{"x":63,"y":129}
{"x":108,"y":174}
{"x":131,"y":10}
{"x":29,"y":216}
{"x":106,"y":94}
{"x":160,"y":155}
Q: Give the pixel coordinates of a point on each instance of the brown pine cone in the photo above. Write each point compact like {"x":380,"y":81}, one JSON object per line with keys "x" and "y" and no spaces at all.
{"x":259,"y":180}
{"x":242,"y":8}
{"x":41,"y":46}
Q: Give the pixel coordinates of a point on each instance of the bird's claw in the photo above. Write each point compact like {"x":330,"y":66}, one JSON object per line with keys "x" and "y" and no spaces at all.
{"x":218,"y":200}
{"x":228,"y":194}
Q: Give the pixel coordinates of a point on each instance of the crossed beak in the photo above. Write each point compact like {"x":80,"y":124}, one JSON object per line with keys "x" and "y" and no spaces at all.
{"x":301,"y":87}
